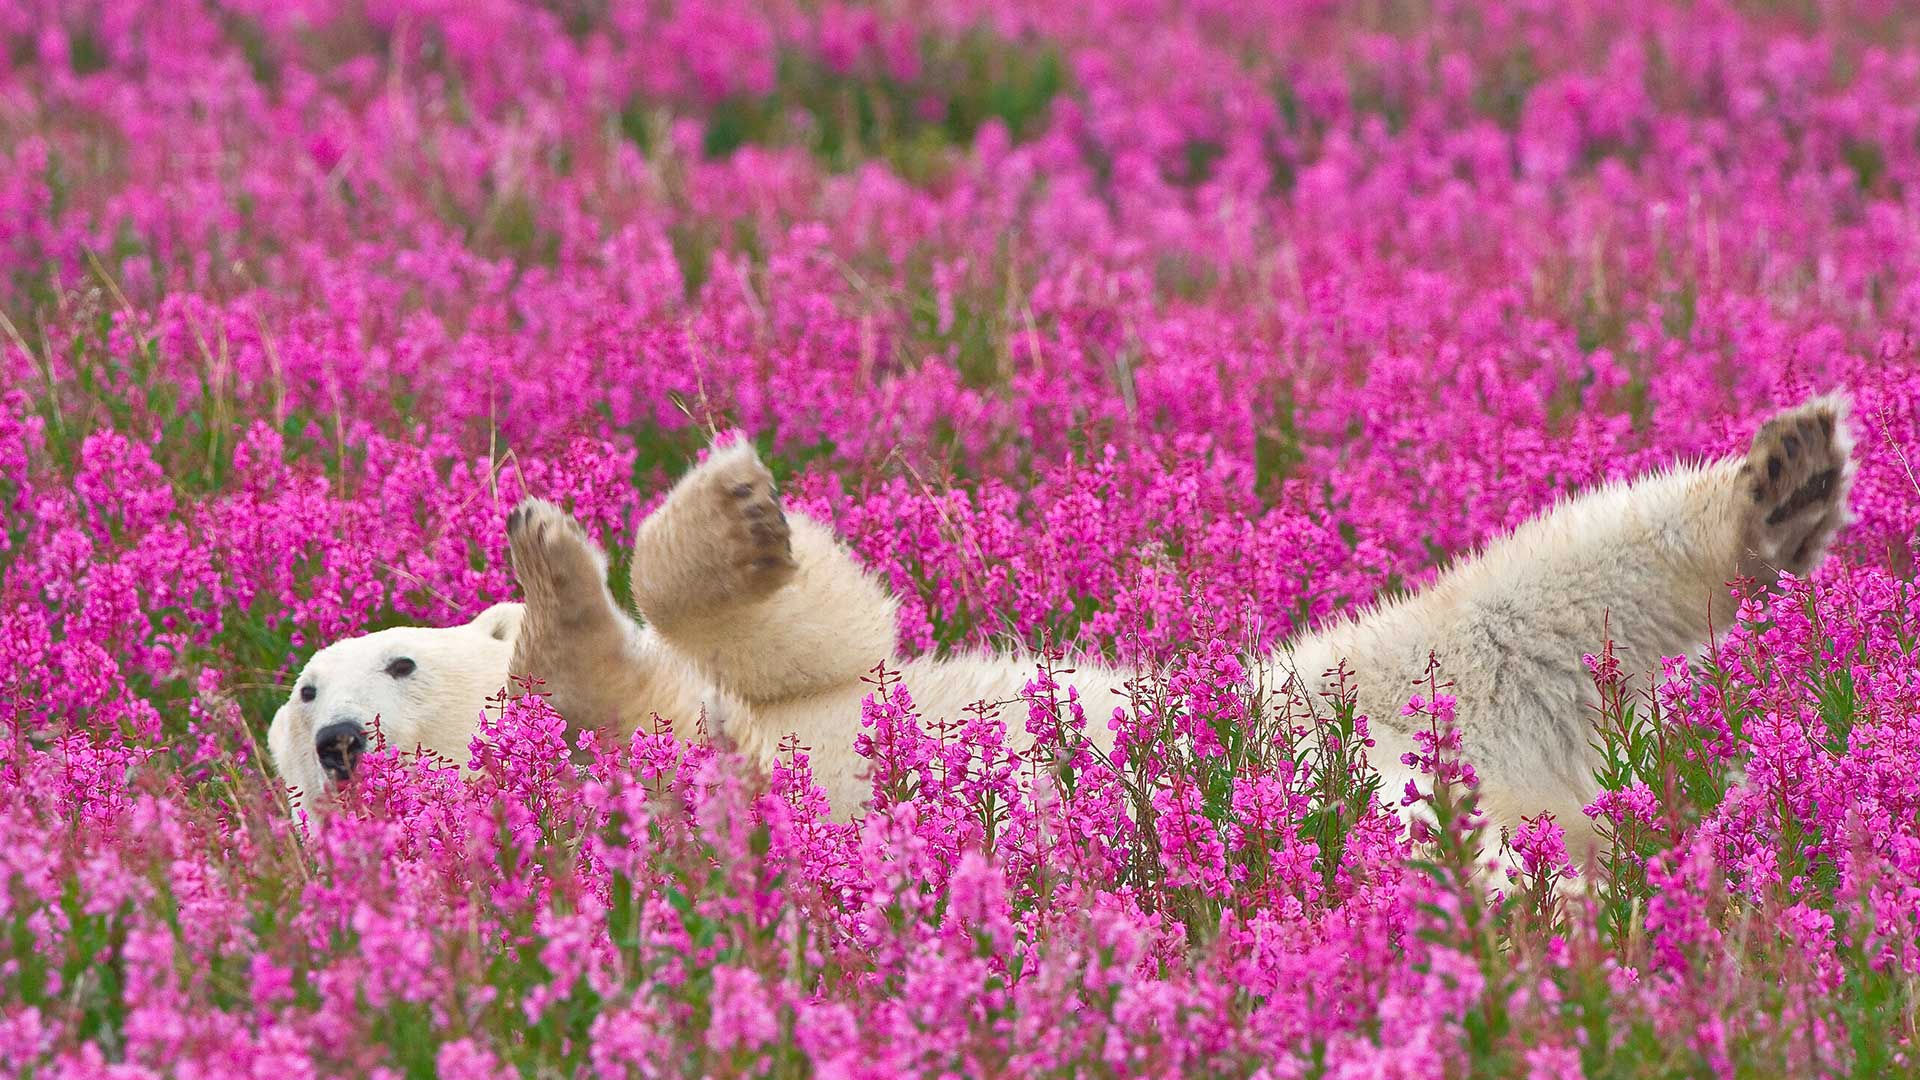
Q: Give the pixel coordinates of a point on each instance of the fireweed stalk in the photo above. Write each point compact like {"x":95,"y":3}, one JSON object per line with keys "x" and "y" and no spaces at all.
{"x":1156,"y":331}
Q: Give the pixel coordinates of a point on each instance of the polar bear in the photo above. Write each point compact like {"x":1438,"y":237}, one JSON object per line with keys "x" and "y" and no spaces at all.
{"x":762,"y":626}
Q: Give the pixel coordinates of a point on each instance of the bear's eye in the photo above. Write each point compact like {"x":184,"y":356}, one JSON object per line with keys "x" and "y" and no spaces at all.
{"x":400,"y":668}
{"x":308,"y":693}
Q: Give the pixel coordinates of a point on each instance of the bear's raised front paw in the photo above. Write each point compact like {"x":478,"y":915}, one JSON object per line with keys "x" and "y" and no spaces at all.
{"x":760,"y":542}
{"x":561,"y":571}
{"x":721,"y":537}
{"x":739,"y":508}
{"x":1797,"y":475}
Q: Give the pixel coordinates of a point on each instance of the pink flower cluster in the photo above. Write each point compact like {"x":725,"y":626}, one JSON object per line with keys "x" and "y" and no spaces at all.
{"x":1156,"y":329}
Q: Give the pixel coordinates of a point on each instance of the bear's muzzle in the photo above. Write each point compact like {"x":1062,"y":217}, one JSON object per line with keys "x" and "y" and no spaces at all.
{"x":339,"y":746}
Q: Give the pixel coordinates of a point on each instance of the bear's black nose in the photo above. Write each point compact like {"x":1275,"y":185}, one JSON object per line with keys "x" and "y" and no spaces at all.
{"x":339,"y":746}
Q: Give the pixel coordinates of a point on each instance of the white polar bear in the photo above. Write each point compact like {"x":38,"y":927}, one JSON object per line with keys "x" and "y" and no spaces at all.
{"x":764,"y":625}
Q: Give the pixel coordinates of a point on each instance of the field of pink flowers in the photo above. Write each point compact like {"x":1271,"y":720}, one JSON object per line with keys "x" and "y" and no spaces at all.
{"x":1159,"y":327}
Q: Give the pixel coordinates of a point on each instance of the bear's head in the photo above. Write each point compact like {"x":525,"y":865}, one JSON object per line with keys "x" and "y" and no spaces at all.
{"x":411,"y":687}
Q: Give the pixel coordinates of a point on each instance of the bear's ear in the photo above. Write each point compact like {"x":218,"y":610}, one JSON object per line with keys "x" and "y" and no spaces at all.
{"x":501,"y":622}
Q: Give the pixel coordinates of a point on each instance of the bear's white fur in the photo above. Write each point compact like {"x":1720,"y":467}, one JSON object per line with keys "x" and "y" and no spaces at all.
{"x":762,"y":626}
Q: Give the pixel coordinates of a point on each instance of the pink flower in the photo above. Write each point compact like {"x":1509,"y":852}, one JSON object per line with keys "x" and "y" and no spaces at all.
{"x":743,"y":1017}
{"x":464,"y":1059}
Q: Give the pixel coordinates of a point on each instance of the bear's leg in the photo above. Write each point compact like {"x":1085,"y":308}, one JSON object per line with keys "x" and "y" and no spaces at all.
{"x":598,"y":671}
{"x":1644,"y":566}
{"x":1795,"y":478}
{"x":770,"y":607}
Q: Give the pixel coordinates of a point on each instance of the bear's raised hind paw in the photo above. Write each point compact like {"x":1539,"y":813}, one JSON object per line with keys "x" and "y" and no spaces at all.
{"x":1797,"y":475}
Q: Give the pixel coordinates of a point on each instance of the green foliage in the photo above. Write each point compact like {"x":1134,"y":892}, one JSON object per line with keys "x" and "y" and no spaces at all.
{"x":1867,"y":160}
{"x":1276,"y":449}
{"x":912,"y":124}
{"x":1342,"y":790}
